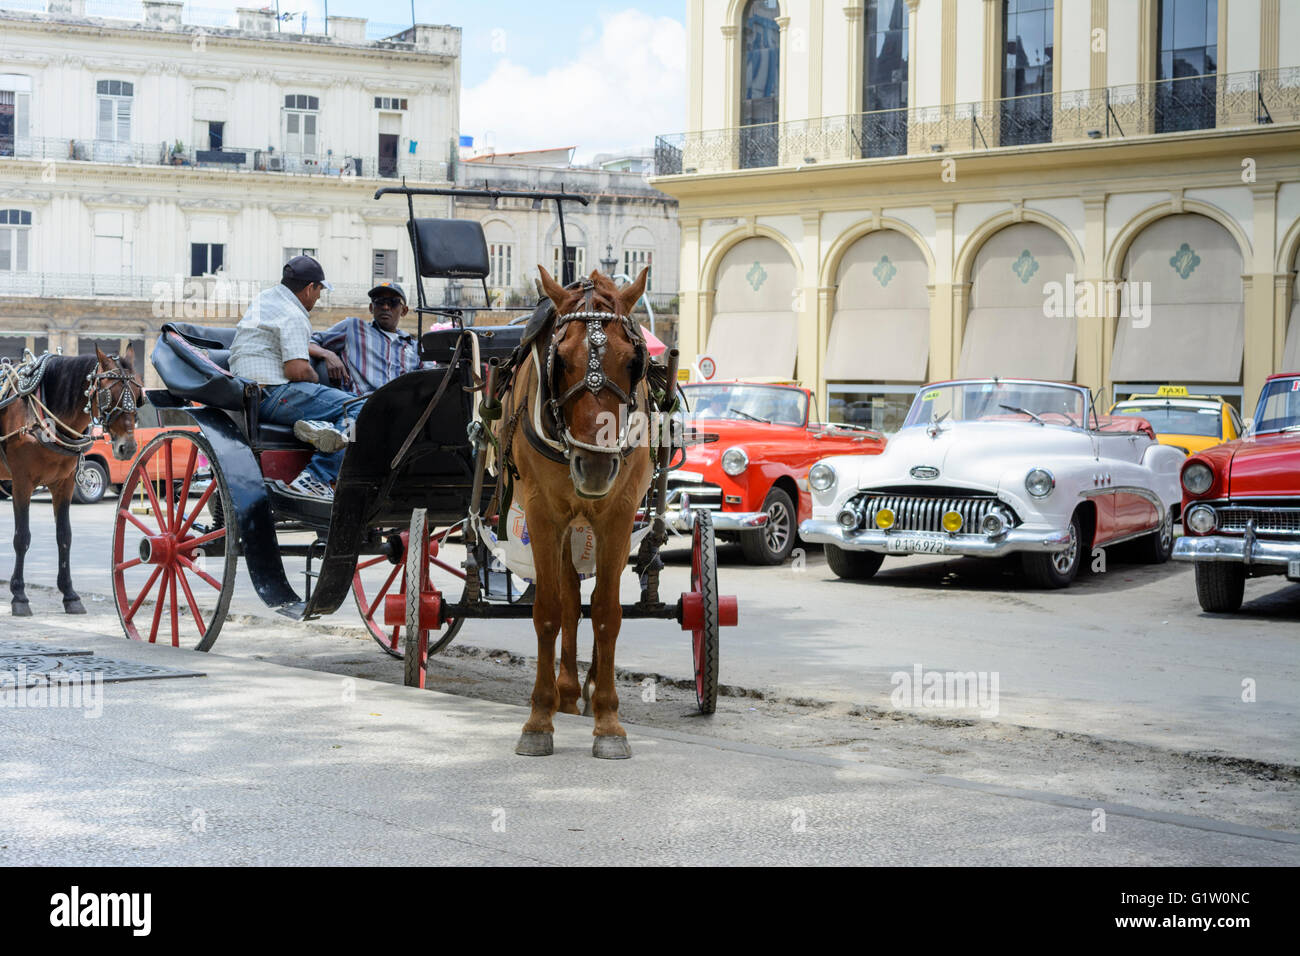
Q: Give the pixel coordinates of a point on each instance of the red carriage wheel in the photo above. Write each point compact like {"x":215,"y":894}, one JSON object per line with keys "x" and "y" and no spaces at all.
{"x":702,"y":613}
{"x":173,"y":568}
{"x":426,"y":630}
{"x":378,"y":577}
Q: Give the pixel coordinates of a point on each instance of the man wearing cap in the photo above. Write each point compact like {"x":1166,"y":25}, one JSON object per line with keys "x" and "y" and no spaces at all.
{"x":372,"y":353}
{"x":273,"y":347}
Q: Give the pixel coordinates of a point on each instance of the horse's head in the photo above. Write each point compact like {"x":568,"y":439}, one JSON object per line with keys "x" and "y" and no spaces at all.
{"x":113,"y":397}
{"x":596,"y":362}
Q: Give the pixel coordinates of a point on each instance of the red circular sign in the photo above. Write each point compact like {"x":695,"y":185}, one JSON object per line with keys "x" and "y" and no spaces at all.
{"x":708,"y":368}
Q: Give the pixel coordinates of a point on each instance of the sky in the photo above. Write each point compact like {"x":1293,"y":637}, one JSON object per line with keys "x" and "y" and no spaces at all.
{"x":602,"y":76}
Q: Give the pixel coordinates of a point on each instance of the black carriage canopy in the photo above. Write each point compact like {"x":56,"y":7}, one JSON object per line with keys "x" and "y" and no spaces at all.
{"x":457,"y":248}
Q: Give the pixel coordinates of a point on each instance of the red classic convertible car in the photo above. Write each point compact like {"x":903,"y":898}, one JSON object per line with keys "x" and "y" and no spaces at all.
{"x":1241,"y":502}
{"x":754,"y":479}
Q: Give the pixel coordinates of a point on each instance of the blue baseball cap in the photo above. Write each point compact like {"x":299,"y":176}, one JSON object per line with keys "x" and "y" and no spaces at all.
{"x":391,"y":287}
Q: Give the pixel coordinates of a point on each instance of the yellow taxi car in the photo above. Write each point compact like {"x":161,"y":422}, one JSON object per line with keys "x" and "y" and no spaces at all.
{"x":1190,"y":423}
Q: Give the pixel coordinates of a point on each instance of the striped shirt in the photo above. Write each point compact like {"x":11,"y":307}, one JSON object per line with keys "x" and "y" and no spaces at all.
{"x":274,"y":330}
{"x":371,"y":356}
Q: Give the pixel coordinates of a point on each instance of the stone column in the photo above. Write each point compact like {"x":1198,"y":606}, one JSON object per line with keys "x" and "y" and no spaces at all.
{"x":1091,"y":347}
{"x":809,"y":319}
{"x":1260,"y":333}
{"x":945,"y":333}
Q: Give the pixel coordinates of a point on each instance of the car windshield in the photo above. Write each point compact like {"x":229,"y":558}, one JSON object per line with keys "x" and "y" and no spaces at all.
{"x":768,"y":403}
{"x":1279,"y":406}
{"x":992,"y":400}
{"x":1168,"y":419}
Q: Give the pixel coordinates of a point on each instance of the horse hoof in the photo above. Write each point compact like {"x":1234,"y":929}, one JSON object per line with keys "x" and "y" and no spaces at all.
{"x":73,"y":607}
{"x":535,"y":743}
{"x":611,"y":747}
{"x":20,"y":609}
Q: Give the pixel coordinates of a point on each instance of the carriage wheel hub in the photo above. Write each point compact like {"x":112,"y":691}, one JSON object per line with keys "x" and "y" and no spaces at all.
{"x":158,"y":549}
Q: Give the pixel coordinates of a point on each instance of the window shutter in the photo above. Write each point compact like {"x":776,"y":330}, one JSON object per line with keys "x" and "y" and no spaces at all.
{"x":21,"y":257}
{"x":6,"y":249}
{"x":22,"y":114}
{"x":309,"y":134}
{"x":105,"y":126}
{"x":123,"y":121}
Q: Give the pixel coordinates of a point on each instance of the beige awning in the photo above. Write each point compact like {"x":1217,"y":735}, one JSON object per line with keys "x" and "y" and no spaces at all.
{"x":1291,"y":354}
{"x":1184,"y":342}
{"x":879,"y":345}
{"x":1018,"y":343}
{"x":754,"y":344}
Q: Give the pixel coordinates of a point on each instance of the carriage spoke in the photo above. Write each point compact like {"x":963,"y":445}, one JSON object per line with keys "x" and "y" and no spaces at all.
{"x":158,"y":606}
{"x":175,"y":611}
{"x":397,"y":634}
{"x":185,"y":486}
{"x":126,"y":565}
{"x":198,"y":509}
{"x":168,"y":474}
{"x":144,"y":592}
{"x":153,"y":498}
{"x":137,"y":522}
{"x":379,"y":596}
{"x":203,"y":575}
{"x":362,"y":565}
{"x":189,"y":599}
{"x":448,"y":568}
{"x":192,"y":543}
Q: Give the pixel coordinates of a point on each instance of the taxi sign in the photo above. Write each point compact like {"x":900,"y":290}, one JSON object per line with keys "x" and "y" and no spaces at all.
{"x":1172,"y":391}
{"x":683,"y":375}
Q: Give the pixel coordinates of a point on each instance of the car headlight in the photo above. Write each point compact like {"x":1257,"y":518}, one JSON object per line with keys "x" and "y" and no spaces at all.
{"x":821,"y":477}
{"x":994,"y":524}
{"x":734,"y":461}
{"x":1197,"y":478}
{"x":1039,"y":482}
{"x":1201,"y":519}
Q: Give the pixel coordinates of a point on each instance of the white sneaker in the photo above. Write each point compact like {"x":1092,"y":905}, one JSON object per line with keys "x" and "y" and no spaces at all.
{"x":323,"y":436}
{"x":307,"y":487}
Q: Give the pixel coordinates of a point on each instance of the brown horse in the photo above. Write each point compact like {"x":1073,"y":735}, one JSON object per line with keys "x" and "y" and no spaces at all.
{"x":593,"y":360}
{"x":40,"y":438}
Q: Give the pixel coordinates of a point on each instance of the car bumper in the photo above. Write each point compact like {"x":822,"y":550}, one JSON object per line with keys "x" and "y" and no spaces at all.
{"x":968,"y":545}
{"x":1283,"y":555}
{"x":684,"y":521}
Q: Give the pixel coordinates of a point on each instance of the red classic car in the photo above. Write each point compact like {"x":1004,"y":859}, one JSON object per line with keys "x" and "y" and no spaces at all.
{"x":754,"y":479}
{"x":1241,"y":502}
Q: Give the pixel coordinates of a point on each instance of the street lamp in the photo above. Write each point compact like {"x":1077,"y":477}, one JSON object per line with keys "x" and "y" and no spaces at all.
{"x":609,"y":262}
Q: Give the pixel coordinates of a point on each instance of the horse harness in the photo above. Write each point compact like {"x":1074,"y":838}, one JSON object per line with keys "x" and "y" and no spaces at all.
{"x":26,"y":382}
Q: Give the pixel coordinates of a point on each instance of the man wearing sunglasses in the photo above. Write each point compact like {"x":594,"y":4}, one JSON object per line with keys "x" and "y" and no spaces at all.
{"x":273,"y":348}
{"x":371,"y":354}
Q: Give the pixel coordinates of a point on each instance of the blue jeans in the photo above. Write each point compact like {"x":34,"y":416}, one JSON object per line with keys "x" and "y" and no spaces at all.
{"x":296,"y":401}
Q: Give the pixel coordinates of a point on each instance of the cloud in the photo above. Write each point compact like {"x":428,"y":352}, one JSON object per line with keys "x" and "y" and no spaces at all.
{"x":612,"y":92}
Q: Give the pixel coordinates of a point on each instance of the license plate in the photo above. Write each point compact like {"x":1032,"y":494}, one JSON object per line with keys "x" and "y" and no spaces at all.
{"x":1293,"y":569}
{"x":918,"y":545}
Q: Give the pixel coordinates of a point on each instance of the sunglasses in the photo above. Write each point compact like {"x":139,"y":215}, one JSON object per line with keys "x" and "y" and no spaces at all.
{"x":387,"y":302}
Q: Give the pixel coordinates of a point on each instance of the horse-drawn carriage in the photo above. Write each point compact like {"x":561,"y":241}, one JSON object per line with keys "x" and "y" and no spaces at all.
{"x":411,"y":490}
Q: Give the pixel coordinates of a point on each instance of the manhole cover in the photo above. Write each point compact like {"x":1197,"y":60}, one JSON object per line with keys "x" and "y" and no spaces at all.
{"x":28,"y":648}
{"x":35,"y":669}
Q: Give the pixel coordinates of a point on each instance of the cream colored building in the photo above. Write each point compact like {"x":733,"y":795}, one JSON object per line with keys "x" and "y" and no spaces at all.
{"x":878,"y":193}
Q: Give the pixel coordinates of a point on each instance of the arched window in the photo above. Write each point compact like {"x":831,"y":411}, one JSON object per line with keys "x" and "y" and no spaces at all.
{"x":884,"y":79}
{"x":1027,"y":36}
{"x":1188,"y":36}
{"x":15,"y":227}
{"x":760,"y":84}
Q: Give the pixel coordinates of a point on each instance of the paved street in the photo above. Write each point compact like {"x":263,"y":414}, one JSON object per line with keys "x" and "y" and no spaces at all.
{"x":1124,"y":655}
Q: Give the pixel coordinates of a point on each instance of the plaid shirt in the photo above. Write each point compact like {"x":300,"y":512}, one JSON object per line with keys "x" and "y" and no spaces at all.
{"x":371,"y":357}
{"x":274,"y":330}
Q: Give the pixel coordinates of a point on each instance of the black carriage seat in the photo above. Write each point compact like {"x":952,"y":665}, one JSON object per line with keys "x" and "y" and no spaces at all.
{"x":193,"y":361}
{"x":451,"y":248}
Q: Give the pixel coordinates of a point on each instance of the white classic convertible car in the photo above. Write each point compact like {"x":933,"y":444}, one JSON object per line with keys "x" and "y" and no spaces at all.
{"x":988,"y":467}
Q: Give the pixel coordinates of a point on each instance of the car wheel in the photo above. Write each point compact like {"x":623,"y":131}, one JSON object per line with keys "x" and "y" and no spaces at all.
{"x":1058,"y":569}
{"x":1157,"y":547}
{"x":853,"y":565}
{"x":1220,"y":587}
{"x":772,"y":543}
{"x":91,"y":482}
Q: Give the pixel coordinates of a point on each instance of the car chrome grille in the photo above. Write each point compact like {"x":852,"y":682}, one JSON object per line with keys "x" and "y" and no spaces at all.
{"x":1285,"y":521}
{"x":704,"y":497}
{"x":917,"y":513}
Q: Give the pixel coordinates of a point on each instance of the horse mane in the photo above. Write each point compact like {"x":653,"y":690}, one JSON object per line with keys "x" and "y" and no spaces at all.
{"x":64,"y":383}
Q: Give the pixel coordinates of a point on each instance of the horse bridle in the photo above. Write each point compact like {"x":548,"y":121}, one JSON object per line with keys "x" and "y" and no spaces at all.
{"x":101,"y":395}
{"x":594,"y":380}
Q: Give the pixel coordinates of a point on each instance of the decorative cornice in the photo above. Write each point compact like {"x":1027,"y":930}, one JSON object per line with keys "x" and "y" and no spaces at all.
{"x":300,"y":209}
{"x":26,"y":196}
{"x":116,"y":199}
{"x":209,"y":205}
{"x":209,"y":72}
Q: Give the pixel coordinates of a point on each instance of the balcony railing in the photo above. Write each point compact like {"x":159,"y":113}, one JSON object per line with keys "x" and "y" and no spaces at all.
{"x":230,"y":157}
{"x":1215,"y":101}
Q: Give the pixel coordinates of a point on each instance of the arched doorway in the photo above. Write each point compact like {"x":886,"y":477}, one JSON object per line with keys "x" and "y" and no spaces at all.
{"x":1182,"y":312}
{"x":1018,"y":280}
{"x":879,"y":346}
{"x":755,"y":329}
